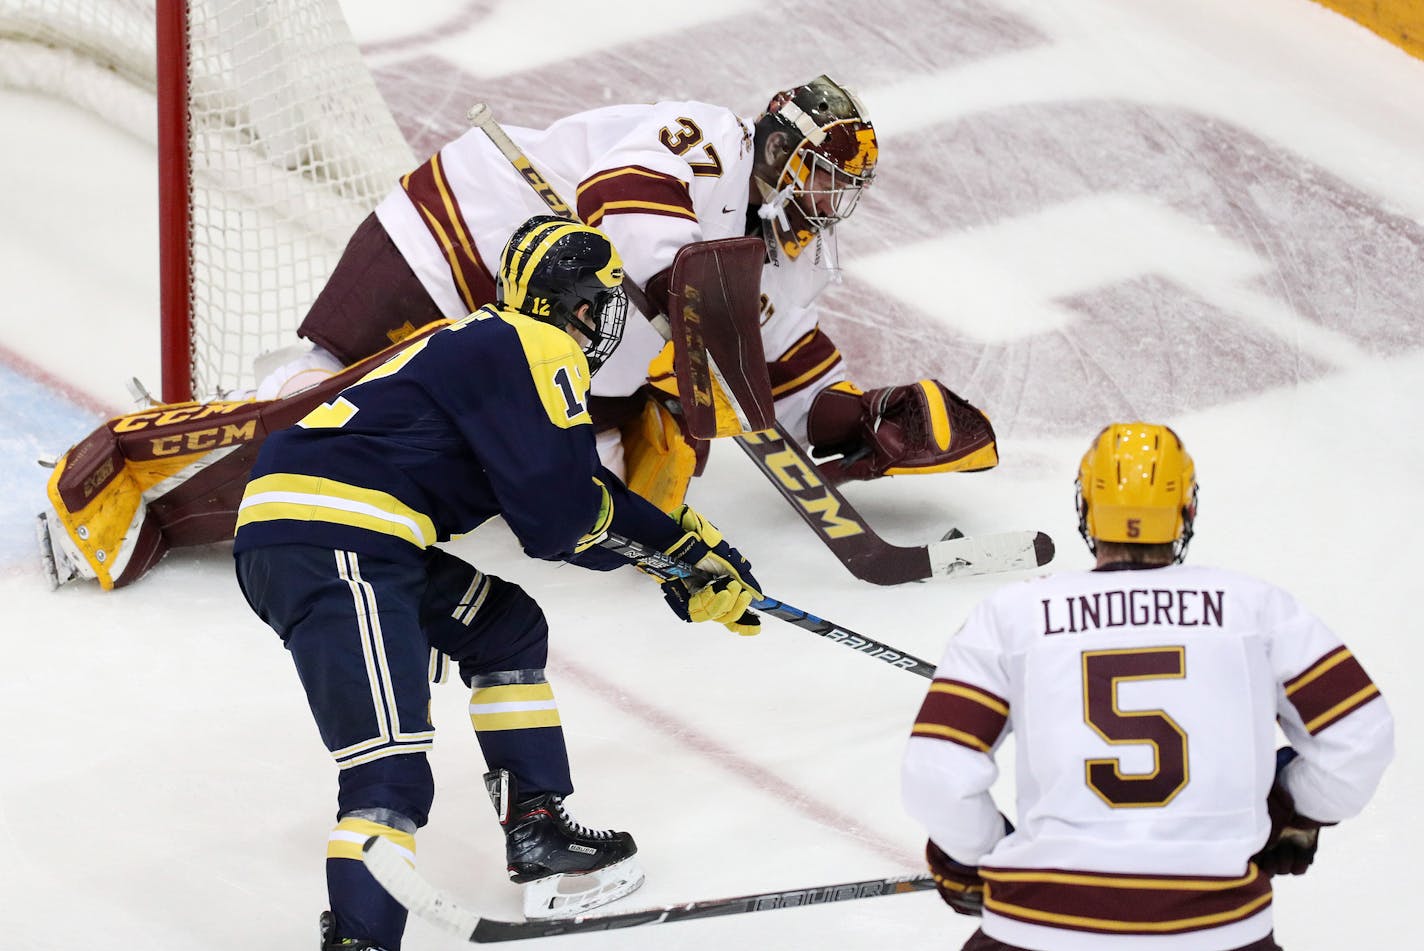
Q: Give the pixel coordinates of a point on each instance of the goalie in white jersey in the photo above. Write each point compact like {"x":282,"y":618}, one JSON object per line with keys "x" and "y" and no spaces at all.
{"x":657,"y":179}
{"x":1144,"y":697}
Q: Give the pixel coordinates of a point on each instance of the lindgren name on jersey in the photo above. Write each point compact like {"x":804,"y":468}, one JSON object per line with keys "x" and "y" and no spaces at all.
{"x":1135,"y":607}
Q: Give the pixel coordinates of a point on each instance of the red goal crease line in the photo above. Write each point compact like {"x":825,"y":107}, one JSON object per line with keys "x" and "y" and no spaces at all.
{"x":80,"y":398}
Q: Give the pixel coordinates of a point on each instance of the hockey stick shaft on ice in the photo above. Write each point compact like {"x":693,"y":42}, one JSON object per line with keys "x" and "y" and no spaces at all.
{"x":389,"y":866}
{"x":659,"y":565}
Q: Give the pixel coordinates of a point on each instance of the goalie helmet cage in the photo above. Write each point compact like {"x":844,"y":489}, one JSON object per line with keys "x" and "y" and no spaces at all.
{"x":273,"y":143}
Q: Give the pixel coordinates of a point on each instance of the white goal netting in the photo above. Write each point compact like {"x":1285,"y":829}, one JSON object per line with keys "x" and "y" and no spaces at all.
{"x":289,"y":145}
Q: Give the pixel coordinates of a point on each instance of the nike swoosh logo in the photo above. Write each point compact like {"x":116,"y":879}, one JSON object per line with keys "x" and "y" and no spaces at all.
{"x":727,"y":211}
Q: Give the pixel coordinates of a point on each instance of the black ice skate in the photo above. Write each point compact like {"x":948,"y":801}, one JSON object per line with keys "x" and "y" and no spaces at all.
{"x":330,"y":942}
{"x":565,"y":868}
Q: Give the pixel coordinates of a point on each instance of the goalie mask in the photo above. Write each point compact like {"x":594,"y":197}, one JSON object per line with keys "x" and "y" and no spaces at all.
{"x":815,"y":151}
{"x":1137,"y":484}
{"x":551,"y":267}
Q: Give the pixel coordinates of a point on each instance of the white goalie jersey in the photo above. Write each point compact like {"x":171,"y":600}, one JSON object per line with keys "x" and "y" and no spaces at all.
{"x":1144,"y":706}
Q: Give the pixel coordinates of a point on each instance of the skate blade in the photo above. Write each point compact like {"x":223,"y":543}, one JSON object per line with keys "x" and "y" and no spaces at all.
{"x":47,"y":561}
{"x":566,"y":896}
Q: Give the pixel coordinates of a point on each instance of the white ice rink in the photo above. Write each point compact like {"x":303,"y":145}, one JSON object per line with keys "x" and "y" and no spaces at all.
{"x":1210,"y":214}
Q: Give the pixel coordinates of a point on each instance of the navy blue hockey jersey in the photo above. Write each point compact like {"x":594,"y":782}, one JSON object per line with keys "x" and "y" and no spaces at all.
{"x":487,"y":417}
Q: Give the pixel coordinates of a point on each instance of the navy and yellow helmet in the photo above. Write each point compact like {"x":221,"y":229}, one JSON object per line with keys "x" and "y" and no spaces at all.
{"x":551,"y":267}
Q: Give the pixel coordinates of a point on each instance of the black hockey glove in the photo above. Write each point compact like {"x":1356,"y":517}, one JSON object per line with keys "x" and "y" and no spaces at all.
{"x":959,"y":885}
{"x":726,"y":598}
{"x":1290,"y":850}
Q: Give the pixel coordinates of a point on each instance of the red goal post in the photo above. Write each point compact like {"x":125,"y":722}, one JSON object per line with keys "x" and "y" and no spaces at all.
{"x":272,"y":144}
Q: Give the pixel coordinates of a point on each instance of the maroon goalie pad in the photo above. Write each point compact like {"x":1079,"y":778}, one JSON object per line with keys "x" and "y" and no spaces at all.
{"x":173,"y":475}
{"x":714,"y":306}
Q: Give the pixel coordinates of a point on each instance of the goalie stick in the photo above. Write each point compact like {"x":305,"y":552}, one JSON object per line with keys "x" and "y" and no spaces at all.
{"x":864,"y":553}
{"x":659,"y":565}
{"x":397,"y":876}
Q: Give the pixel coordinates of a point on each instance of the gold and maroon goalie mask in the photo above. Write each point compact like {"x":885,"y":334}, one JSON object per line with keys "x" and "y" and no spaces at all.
{"x":815,"y":152}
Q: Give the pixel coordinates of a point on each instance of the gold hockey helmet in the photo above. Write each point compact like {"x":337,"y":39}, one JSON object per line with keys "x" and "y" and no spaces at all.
{"x":1137,"y":484}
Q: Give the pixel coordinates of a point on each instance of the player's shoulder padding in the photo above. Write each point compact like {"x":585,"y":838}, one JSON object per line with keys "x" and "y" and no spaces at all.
{"x":558,"y":368}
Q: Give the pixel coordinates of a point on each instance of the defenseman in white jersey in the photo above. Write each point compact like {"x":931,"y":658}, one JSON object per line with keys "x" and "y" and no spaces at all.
{"x":1144,"y":696}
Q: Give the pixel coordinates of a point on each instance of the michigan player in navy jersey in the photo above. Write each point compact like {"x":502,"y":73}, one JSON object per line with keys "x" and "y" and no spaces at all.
{"x":1144,"y":697}
{"x":336,"y":551}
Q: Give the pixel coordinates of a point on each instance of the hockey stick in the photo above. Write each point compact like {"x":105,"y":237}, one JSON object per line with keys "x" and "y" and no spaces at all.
{"x":660,"y":566}
{"x":388,"y":866}
{"x":834,"y":520}
{"x":864,"y":553}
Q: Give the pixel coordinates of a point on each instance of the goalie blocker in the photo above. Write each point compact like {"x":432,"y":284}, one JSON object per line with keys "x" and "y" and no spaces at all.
{"x":713,"y":303}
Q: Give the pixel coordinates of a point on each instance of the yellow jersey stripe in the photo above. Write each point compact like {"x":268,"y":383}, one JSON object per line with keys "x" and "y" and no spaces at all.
{"x":1108,"y":881}
{"x":608,"y":207}
{"x":809,"y":375}
{"x":969,"y":693}
{"x":950,"y":733}
{"x":619,"y":173}
{"x":1343,"y":707}
{"x":1109,"y":924}
{"x":316,"y":499}
{"x":1320,"y":670}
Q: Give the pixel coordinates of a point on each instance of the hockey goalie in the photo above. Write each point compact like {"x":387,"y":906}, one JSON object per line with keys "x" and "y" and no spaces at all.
{"x":666,"y":182}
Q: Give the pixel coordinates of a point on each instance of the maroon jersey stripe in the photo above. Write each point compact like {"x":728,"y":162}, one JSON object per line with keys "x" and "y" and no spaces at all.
{"x":633,"y":190}
{"x":961,"y":713}
{"x":1329,"y":689}
{"x":808,"y":360}
{"x":1124,"y":904}
{"x":430,"y":192}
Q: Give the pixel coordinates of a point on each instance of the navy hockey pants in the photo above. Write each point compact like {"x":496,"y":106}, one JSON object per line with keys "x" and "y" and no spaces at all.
{"x":361,"y":630}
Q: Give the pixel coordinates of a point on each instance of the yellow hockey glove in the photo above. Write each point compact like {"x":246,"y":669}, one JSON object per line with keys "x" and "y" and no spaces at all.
{"x":732,"y":589}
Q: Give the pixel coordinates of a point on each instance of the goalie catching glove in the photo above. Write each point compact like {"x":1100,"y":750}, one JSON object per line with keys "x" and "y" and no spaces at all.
{"x":732,"y":589}
{"x":898,"y":430}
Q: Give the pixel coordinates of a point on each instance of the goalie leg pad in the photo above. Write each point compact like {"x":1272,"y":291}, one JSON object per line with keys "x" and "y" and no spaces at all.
{"x":913,"y":429}
{"x":659,"y":457}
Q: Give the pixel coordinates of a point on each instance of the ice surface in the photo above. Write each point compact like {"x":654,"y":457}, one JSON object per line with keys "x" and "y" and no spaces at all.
{"x":1210,"y":214}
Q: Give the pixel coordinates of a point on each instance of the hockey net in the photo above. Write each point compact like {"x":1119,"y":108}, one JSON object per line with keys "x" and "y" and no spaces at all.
{"x":273,"y":143}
